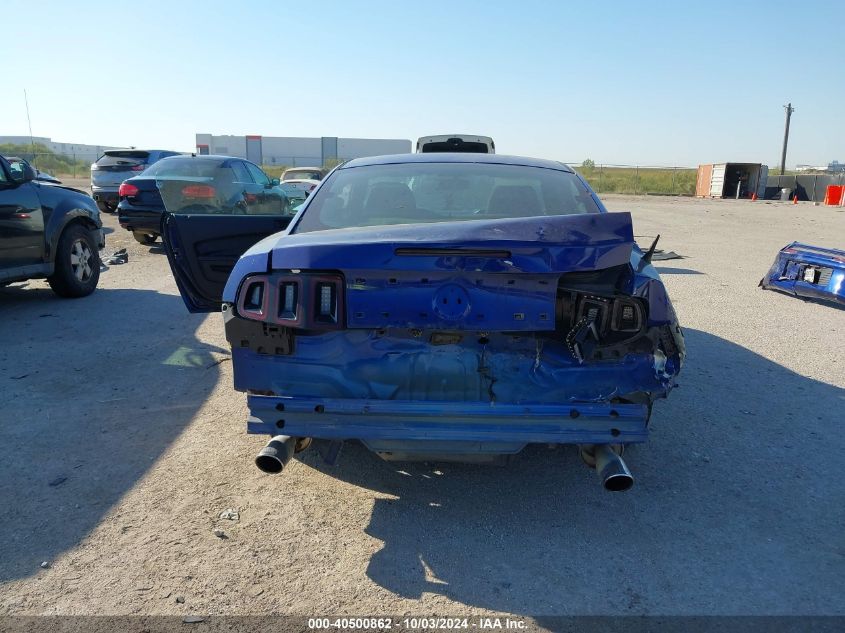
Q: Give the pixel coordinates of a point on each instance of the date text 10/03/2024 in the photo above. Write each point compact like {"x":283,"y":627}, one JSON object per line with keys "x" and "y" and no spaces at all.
{"x":417,"y":623}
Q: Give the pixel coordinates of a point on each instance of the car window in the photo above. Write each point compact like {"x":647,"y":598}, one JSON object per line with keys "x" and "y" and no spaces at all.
{"x":241,"y":172}
{"x":123,"y":157}
{"x":257,"y":175}
{"x":299,"y":174}
{"x":198,"y":186}
{"x":413,"y":193}
{"x":187,"y":166}
{"x":3,"y":177}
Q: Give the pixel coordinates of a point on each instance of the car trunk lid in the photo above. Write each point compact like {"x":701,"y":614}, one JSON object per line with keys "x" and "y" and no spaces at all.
{"x":495,"y":275}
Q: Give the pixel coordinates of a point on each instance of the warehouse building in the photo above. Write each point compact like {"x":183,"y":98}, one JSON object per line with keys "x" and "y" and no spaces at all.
{"x":296,"y":151}
{"x":75,"y":151}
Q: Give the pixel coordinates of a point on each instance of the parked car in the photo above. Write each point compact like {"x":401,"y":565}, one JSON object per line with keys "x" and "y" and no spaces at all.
{"x":196,"y":183}
{"x":307,"y":173}
{"x":47,"y":231}
{"x":469,"y":143}
{"x":298,"y":189}
{"x":438,"y":306}
{"x":115,"y":166}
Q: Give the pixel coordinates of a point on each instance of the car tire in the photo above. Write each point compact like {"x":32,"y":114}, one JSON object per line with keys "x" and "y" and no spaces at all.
{"x":145,"y":238}
{"x":77,"y":266}
{"x":105,"y":207}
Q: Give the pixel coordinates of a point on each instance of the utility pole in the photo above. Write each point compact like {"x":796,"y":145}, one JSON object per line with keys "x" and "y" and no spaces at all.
{"x":789,"y":110}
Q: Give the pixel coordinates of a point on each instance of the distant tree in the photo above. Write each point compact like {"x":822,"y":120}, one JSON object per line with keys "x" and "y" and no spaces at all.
{"x":588,"y":164}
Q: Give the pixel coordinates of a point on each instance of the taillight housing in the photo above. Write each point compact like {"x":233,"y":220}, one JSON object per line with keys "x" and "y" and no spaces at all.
{"x":254,"y":298}
{"x":304,"y":300}
{"x":627,"y":316}
{"x":138,"y":167}
{"x":202,"y":192}
{"x":127,"y":190}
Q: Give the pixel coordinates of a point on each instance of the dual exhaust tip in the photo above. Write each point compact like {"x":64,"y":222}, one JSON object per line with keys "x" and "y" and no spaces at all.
{"x":611,"y":468}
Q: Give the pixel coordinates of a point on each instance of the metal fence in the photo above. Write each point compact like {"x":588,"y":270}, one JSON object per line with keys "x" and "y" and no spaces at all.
{"x":637,"y":179}
{"x":809,"y":187}
{"x":60,"y":165}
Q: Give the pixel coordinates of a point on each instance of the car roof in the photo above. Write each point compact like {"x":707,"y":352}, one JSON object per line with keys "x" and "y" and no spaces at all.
{"x":136,"y":149}
{"x":456,"y":157}
{"x":217,"y":157}
{"x":304,"y":169}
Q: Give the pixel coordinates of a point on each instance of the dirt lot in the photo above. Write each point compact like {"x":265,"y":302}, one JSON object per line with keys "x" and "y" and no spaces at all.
{"x":122,"y":441}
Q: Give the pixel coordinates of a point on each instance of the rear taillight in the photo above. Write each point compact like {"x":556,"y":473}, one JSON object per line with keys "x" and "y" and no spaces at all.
{"x":199,"y":191}
{"x":127,"y":190}
{"x":138,"y":167}
{"x":325,"y":302}
{"x":301,"y":300}
{"x":253,"y":299}
{"x":627,"y":316}
{"x":312,"y":187}
{"x":289,"y":310}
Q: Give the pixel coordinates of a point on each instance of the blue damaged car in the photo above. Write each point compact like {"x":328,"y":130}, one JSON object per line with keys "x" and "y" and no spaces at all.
{"x":811,"y":272}
{"x":436,"y":307}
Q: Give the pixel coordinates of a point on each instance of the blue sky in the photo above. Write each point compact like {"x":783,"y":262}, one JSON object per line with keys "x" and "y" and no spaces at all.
{"x":674,"y":83}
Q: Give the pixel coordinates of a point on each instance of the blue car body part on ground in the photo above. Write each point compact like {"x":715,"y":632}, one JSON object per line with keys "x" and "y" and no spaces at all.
{"x":443,"y":338}
{"x":808,"y":271}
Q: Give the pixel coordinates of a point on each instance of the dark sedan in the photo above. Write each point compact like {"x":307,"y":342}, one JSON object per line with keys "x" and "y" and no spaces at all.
{"x":199,"y":184}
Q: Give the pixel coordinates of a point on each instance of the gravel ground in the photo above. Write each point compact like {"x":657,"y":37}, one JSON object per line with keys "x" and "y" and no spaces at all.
{"x":122,"y":441}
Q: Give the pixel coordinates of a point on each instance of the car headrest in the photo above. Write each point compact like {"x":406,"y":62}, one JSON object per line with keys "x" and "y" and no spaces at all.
{"x":386,"y":197}
{"x":517,"y":200}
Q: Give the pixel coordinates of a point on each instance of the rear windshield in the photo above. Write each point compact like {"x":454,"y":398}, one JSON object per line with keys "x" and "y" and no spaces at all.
{"x":456,"y":145}
{"x":181,"y":167}
{"x":413,"y":193}
{"x":123,"y":157}
{"x":303,"y":174}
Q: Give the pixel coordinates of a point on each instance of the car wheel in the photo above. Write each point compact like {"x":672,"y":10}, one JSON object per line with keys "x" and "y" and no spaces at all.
{"x":144,"y":238}
{"x":77,"y":268}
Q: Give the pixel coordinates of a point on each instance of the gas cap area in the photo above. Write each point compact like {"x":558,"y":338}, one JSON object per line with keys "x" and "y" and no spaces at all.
{"x":451,"y":302}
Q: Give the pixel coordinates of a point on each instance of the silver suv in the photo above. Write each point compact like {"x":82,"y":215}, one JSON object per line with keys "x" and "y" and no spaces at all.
{"x":117,"y":165}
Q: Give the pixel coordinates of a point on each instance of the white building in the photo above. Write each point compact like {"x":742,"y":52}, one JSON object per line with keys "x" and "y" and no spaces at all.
{"x":298,"y":151}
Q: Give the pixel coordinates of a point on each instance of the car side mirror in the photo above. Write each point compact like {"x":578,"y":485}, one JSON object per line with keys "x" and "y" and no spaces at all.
{"x":25,"y":174}
{"x":275,"y":182}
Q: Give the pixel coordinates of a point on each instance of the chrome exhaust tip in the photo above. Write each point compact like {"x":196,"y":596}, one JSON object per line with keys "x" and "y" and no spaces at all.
{"x":275,"y":456}
{"x":612,"y":470}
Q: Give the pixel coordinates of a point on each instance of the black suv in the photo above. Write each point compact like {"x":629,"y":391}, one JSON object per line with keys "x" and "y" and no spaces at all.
{"x":47,"y":230}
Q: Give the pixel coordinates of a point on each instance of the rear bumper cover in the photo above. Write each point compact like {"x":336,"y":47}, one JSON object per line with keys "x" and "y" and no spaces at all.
{"x":341,"y":419}
{"x":147,"y":219}
{"x":808,"y":271}
{"x":106,"y":196}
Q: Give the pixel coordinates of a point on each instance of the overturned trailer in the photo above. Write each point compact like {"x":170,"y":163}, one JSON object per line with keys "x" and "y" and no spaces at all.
{"x":731,"y":180}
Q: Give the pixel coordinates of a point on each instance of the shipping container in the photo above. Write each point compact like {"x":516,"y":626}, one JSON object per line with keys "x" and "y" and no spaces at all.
{"x":731,"y":180}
